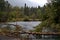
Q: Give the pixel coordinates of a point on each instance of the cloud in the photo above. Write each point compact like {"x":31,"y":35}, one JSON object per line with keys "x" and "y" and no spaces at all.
{"x":22,"y":2}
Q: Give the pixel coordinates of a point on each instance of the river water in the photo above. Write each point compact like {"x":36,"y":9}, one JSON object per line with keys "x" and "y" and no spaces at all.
{"x":29,"y":26}
{"x":26,"y":25}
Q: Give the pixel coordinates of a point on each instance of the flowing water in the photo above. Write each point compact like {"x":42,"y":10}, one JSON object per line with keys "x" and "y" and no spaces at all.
{"x":28,"y":26}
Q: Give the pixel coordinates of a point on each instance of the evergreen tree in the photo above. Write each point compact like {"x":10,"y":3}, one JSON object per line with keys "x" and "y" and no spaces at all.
{"x":4,"y":10}
{"x":52,"y":18}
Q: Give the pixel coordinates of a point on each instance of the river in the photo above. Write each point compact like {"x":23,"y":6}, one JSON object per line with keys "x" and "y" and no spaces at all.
{"x":26,"y":25}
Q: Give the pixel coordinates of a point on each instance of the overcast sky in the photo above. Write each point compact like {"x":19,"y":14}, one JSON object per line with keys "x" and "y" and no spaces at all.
{"x":30,"y":3}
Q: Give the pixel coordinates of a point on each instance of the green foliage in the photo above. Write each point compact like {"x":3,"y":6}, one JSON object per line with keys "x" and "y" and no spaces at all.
{"x":4,"y":7}
{"x":3,"y":16}
{"x":51,"y":17}
{"x":17,"y":14}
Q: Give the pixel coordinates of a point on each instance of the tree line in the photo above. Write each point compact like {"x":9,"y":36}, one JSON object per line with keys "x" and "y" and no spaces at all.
{"x":10,"y":13}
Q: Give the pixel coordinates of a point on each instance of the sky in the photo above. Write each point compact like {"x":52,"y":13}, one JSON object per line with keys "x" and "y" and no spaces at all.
{"x":29,"y":3}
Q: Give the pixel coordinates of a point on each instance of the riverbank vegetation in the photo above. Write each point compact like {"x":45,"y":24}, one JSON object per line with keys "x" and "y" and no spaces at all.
{"x":15,"y":13}
{"x":51,"y":17}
